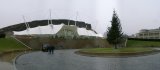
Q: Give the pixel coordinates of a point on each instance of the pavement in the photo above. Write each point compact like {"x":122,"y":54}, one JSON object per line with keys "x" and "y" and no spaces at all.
{"x":157,"y":48}
{"x":68,"y":60}
{"x":6,"y":66}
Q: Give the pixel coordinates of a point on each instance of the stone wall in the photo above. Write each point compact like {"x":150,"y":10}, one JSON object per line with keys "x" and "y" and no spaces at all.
{"x":36,"y":43}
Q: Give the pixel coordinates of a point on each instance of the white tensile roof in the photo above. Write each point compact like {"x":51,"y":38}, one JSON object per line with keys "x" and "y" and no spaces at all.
{"x":84,"y":31}
{"x":40,"y":30}
{"x":48,"y":30}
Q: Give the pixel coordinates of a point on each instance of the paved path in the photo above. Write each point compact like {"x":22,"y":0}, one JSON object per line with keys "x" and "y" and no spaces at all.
{"x":67,"y":60}
{"x":157,"y":48}
{"x":6,"y":66}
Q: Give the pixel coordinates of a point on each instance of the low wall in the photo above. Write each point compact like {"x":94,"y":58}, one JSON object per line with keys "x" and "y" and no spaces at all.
{"x":36,"y":43}
{"x":141,"y":39}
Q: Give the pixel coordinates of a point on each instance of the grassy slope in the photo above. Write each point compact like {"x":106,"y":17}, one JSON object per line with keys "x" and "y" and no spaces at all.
{"x":8,"y":44}
{"x":135,"y":43}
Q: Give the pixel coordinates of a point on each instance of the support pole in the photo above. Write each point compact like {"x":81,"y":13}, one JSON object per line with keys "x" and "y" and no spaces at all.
{"x":27,"y":26}
{"x":76,"y":19}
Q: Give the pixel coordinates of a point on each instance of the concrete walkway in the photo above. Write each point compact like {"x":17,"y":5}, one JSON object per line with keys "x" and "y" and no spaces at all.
{"x":67,"y":60}
{"x":157,"y":48}
{"x":6,"y":66}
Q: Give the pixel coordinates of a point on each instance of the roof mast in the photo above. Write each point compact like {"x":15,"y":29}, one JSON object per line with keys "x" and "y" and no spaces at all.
{"x":76,"y":19}
{"x":51,"y":24}
{"x":27,"y":25}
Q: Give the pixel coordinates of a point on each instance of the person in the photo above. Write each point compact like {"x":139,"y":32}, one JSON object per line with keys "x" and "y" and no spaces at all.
{"x":52,"y":49}
{"x":49,"y":49}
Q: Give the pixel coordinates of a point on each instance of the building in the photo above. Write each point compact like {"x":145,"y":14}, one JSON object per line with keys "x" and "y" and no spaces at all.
{"x":149,"y":33}
{"x":62,"y":30}
{"x":9,"y":33}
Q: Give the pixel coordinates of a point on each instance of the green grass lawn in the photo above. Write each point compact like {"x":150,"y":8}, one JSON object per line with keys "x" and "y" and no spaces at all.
{"x":135,"y":43}
{"x":9,"y":44}
{"x":120,"y":50}
{"x":133,"y":46}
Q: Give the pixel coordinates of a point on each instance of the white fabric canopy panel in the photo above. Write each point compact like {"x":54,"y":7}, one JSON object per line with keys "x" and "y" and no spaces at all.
{"x":53,"y":29}
{"x":82,"y":31}
{"x":40,"y":30}
{"x":85,"y":32}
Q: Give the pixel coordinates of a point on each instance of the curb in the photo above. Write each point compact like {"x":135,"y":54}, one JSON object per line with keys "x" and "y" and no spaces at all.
{"x":117,"y":54}
{"x":14,"y":60}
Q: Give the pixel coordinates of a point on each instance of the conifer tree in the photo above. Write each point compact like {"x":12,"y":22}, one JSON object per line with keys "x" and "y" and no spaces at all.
{"x":114,"y":33}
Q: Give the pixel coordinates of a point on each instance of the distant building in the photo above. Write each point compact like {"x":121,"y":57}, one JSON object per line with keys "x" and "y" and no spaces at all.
{"x":9,"y":33}
{"x":68,"y":31}
{"x":132,"y":36}
{"x":149,"y":33}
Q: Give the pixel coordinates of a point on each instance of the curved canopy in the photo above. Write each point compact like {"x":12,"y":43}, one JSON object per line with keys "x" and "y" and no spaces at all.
{"x":48,"y":29}
{"x":54,"y":29}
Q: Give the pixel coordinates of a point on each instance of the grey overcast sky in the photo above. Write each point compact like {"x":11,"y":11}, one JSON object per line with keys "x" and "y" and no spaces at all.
{"x":134,"y":14}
